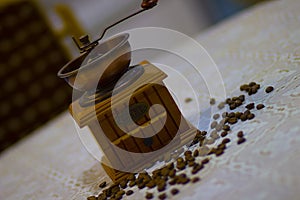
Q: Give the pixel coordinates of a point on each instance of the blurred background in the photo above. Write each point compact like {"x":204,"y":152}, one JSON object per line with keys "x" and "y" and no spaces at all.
{"x":35,"y":42}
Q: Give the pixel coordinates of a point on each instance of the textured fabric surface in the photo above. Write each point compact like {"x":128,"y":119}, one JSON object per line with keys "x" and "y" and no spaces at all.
{"x":261,"y":44}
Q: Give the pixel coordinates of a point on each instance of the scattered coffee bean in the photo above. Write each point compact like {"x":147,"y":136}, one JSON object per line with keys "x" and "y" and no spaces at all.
{"x":205,"y":161}
{"x":224,"y":134}
{"x":221,"y":105}
{"x":196,"y":153}
{"x":216,"y":116}
{"x":243,"y":117}
{"x":103,"y":184}
{"x":224,"y":114}
{"x":232,"y":120}
{"x":162,"y":196}
{"x":260,"y":106}
{"x":212,"y":101}
{"x":129,"y":192}
{"x":269,"y":89}
{"x":250,"y":116}
{"x":213,"y":124}
{"x":240,"y":134}
{"x":149,"y":195}
{"x":226,"y":140}
{"x":226,"y":128}
{"x":174,"y":191}
{"x":250,"y":106}
{"x":188,"y":100}
{"x":195,"y":180}
{"x":241,"y":140}
{"x":92,"y":198}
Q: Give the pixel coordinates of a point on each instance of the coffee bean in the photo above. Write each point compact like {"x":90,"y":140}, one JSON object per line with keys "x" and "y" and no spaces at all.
{"x":231,"y":115}
{"x":212,"y":101}
{"x":162,"y":196}
{"x":250,"y":116}
{"x":260,"y":106}
{"x":241,"y":140}
{"x":132,"y":183}
{"x":226,"y":128}
{"x":129,"y":192}
{"x":92,"y":198}
{"x":123,"y":184}
{"x":243,"y":117}
{"x":172,"y":173}
{"x":224,"y":114}
{"x":224,"y":134}
{"x":221,"y":105}
{"x":188,"y":152}
{"x":103,"y":184}
{"x":195,"y":180}
{"x":232,"y":120}
{"x":226,"y":140}
{"x":149,"y":195}
{"x":205,"y":161}
{"x":174,"y":191}
{"x":240,"y":134}
{"x":213,"y":124}
{"x":251,"y":84}
{"x":173,"y":182}
{"x":232,"y":106}
{"x":151,"y":184}
{"x":238,"y":115}
{"x":216,"y":116}
{"x":242,"y":98}
{"x":219,"y":152}
{"x":250,"y":106}
{"x":269,"y":89}
{"x":214,"y":134}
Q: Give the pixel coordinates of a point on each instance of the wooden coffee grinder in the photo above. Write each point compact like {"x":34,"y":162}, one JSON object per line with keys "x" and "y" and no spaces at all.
{"x":117,"y":102}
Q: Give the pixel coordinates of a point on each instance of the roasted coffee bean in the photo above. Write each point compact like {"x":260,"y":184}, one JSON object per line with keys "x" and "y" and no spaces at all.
{"x":219,"y":152}
{"x":212,"y":101}
{"x":251,"y":84}
{"x":247,"y":112}
{"x":103,"y":184}
{"x":241,"y":140}
{"x":141,"y":185}
{"x":102,"y":196}
{"x":216,"y":116}
{"x":242,"y":98}
{"x":222,"y":146}
{"x":232,"y":120}
{"x":195,"y":180}
{"x":132,"y":183}
{"x":250,"y":106}
{"x":161,"y":187}
{"x":188,"y":100}
{"x":149,"y":195}
{"x":226,"y":128}
{"x":188,"y":152}
{"x":131,"y":177}
{"x":269,"y":89}
{"x":224,"y":114}
{"x":232,"y":106}
{"x":230,"y":115}
{"x":165,"y":171}
{"x":213,"y":124}
{"x":173,"y":182}
{"x":129,"y":192}
{"x":221,"y":105}
{"x":172,"y":173}
{"x":243,"y":117}
{"x":181,"y":166}
{"x":219,"y":127}
{"x":174,"y":191}
{"x":240,"y":134}
{"x":238,"y":115}
{"x":196,"y":153}
{"x":92,"y":198}
{"x":197,"y":168}
{"x":226,"y":140}
{"x":260,"y":106}
{"x":162,"y":196}
{"x":214,"y":134}
{"x":250,"y":116}
{"x":224,"y":134}
{"x":205,"y":161}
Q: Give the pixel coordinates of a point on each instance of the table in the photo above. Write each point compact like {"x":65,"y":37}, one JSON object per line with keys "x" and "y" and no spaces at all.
{"x":260,"y":44}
